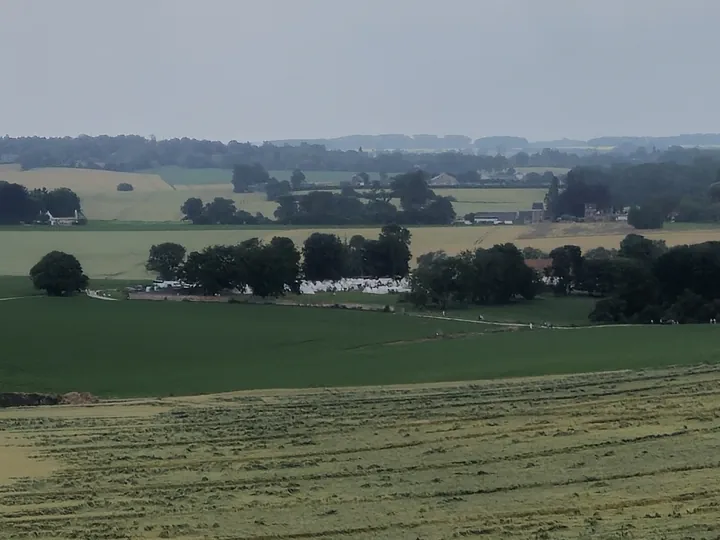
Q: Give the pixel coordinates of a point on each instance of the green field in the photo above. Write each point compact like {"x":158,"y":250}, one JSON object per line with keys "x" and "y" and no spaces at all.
{"x":180,"y":176}
{"x":560,"y":311}
{"x":18,"y":286}
{"x":136,"y":348}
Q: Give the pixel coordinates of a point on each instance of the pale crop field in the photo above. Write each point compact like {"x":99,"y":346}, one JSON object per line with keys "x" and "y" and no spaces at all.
{"x":490,"y":200}
{"x":165,"y":205}
{"x":154,"y":199}
{"x":84,"y":181}
{"x":122,"y":254}
{"x":615,"y":455}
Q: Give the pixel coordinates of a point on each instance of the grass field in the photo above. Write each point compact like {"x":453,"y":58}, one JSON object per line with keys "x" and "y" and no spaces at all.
{"x":186,"y":348}
{"x":561,"y":311}
{"x":19,"y":286}
{"x":120,"y":252}
{"x":615,"y":455}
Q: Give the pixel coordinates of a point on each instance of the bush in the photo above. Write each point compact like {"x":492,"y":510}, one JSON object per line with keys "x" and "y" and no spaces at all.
{"x":124,"y":186}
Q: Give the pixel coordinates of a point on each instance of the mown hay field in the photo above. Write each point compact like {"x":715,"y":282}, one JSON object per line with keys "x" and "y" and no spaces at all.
{"x":122,"y":253}
{"x":615,"y":455}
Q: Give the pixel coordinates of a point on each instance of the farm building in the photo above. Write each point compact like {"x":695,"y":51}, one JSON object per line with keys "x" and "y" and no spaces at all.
{"x":72,"y":220}
{"x":443,"y":179}
{"x":495,"y":218}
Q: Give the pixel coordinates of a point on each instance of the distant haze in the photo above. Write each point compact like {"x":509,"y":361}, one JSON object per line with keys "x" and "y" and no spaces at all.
{"x":282,"y":69}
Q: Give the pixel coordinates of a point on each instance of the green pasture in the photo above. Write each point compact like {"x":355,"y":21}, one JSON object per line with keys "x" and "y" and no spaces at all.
{"x":137,"y":348}
{"x":20,"y":286}
{"x":560,"y":311}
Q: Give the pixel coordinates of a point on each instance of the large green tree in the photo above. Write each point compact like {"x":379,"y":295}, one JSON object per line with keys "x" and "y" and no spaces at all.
{"x":192,"y":208}
{"x":166,"y":259}
{"x":59,"y":274}
{"x":567,"y":267}
{"x":325,"y":257}
{"x":297,"y":179}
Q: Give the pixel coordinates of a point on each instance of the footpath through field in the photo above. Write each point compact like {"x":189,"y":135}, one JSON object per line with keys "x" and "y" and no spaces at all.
{"x":98,"y":296}
{"x":525,"y":325}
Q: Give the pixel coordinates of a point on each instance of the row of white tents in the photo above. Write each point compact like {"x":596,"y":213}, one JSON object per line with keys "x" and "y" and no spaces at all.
{"x":365,"y":285}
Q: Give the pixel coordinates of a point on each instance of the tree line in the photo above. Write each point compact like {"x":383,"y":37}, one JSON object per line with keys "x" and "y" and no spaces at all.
{"x":655,"y":192}
{"x":129,"y":153}
{"x":644,"y":281}
{"x":418,"y":205}
{"x":20,"y":205}
{"x":497,"y":275}
{"x":277,"y":267}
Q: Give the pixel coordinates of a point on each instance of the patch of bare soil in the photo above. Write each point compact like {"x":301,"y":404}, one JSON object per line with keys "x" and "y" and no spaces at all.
{"x":31,"y":399}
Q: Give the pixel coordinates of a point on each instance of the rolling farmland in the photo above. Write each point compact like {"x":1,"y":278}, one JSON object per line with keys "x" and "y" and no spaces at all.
{"x":615,"y":455}
{"x":158,"y":194}
{"x":121,"y":252}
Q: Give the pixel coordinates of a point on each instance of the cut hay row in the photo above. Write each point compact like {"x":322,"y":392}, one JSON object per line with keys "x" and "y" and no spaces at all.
{"x":562,"y":458}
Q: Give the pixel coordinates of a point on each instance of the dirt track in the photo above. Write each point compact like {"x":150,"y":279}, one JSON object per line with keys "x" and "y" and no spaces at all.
{"x":616,"y":455}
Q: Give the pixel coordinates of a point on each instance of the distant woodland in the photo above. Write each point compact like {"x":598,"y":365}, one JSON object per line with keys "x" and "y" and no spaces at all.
{"x":127,"y":153}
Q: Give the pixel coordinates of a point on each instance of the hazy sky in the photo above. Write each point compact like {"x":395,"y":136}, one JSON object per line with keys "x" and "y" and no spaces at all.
{"x":270,"y":69}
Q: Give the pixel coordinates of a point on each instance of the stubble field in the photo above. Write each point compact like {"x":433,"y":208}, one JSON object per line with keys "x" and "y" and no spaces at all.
{"x":117,"y":253}
{"x":617,"y":455}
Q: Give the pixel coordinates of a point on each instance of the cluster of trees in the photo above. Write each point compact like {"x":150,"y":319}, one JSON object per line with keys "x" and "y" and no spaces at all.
{"x":643,"y":281}
{"x":219,"y":211}
{"x":20,"y":205}
{"x":133,"y":153}
{"x":271,"y":269}
{"x":654,"y":191}
{"x":418,"y":205}
{"x":327,"y":257}
{"x":485,"y":276}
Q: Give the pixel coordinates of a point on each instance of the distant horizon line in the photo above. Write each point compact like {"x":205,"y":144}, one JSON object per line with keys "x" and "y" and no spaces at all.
{"x":373,"y":135}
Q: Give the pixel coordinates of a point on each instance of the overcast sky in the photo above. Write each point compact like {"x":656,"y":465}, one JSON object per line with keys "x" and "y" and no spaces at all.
{"x":270,"y":69}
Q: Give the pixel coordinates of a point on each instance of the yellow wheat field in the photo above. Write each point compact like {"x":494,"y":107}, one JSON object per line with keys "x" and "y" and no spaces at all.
{"x":84,"y":181}
{"x":614,"y":455}
{"x":122,"y":254}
